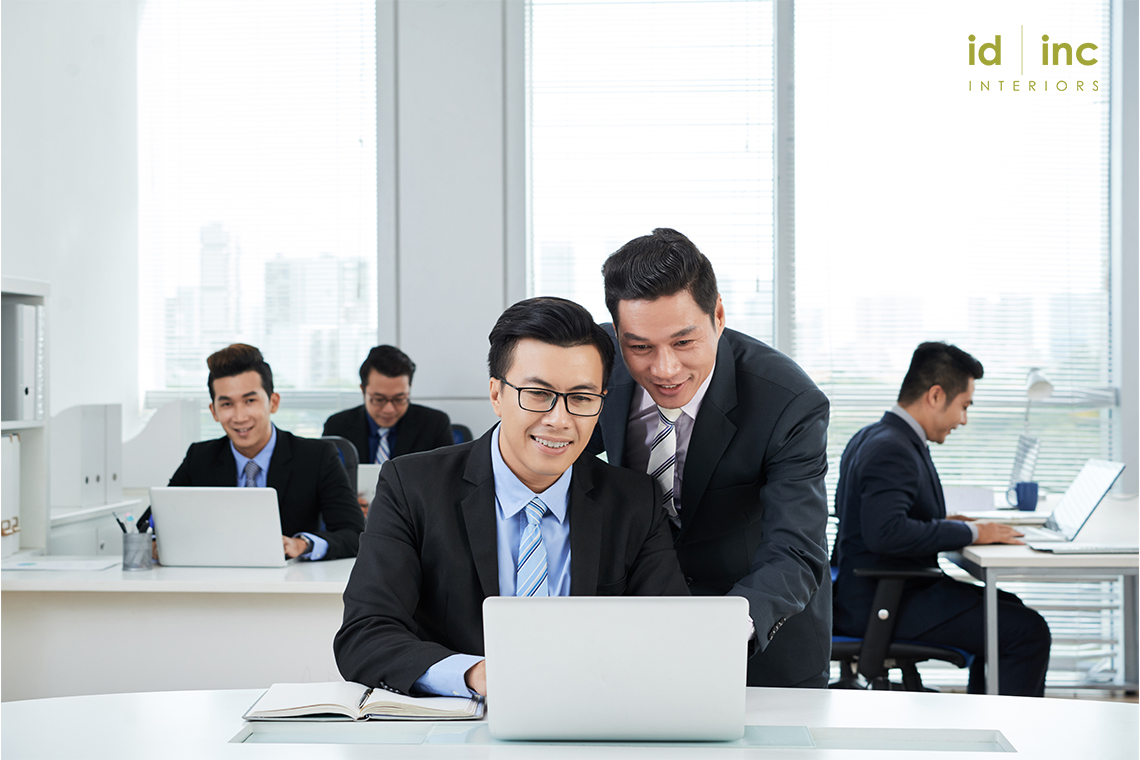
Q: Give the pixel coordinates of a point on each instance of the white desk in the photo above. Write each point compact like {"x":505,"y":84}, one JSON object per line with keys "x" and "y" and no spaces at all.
{"x":70,"y":633}
{"x":203,"y":724}
{"x":1114,"y":520}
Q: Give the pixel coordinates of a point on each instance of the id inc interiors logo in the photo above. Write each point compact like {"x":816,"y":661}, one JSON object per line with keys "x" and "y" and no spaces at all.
{"x":1052,"y":71}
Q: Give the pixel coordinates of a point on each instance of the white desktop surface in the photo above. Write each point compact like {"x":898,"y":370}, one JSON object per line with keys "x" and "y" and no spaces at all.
{"x":70,"y":633}
{"x":201,"y":724}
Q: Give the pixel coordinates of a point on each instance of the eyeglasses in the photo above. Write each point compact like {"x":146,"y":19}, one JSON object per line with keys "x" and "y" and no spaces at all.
{"x":543,"y":400}
{"x":382,"y":401}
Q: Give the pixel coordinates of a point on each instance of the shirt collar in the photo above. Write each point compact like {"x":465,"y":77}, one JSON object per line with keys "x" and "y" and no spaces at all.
{"x":644,"y":403}
{"x":373,"y":428}
{"x":513,"y":496}
{"x":898,"y":410}
{"x":262,"y":457}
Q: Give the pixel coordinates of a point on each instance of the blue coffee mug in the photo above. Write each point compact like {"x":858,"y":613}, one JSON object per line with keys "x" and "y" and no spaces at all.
{"x":1026,"y":492}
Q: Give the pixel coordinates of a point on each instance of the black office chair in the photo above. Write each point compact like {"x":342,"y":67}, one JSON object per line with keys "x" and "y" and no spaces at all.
{"x":348,"y":456}
{"x":461,"y":433}
{"x":877,"y":652}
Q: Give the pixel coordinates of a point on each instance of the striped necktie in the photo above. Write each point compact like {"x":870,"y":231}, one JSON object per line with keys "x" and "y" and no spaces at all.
{"x":383,"y":453}
{"x":251,"y":473}
{"x":663,"y":456}
{"x":530,"y":576}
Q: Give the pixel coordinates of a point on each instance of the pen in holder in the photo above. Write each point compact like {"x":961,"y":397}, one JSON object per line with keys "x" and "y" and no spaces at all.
{"x":137,"y":551}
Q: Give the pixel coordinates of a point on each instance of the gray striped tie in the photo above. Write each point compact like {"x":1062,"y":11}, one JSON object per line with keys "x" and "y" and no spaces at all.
{"x":251,"y":473}
{"x":663,"y":456}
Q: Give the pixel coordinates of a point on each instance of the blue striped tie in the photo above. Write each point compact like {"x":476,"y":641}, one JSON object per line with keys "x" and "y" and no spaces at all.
{"x":663,"y":457}
{"x":383,"y":453}
{"x":251,"y":472}
{"x":530,"y":578}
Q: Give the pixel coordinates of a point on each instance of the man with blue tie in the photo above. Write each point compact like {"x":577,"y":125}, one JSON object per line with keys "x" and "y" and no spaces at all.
{"x":515,"y":513}
{"x":310,"y":481}
{"x":892,"y":514}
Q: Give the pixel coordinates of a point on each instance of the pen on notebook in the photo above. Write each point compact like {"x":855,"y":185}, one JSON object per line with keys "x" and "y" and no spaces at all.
{"x":120,"y":522}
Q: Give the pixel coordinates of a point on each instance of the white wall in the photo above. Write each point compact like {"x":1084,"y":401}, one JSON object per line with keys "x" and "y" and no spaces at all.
{"x":451,"y":238}
{"x":68,"y":191}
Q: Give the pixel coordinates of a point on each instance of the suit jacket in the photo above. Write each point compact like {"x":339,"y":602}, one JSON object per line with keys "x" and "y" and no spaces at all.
{"x":754,"y":515}
{"x":310,"y":481}
{"x":892,"y":513}
{"x":420,"y":429}
{"x":428,"y":557}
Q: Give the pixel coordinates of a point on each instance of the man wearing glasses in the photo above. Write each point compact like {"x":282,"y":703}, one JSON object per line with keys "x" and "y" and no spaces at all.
{"x":387,"y":424}
{"x":514,"y":513}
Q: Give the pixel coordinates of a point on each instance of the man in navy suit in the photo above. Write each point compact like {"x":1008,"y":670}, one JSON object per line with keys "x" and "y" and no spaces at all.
{"x":892,"y":513}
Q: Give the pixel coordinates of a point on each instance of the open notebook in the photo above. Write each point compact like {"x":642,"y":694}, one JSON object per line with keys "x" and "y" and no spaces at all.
{"x":347,"y":700}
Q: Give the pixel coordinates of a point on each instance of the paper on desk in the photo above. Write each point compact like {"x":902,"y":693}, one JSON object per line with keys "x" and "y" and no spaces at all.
{"x":22,"y":563}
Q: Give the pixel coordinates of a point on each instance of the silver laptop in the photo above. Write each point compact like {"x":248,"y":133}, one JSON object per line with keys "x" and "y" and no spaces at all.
{"x":1077,"y":505}
{"x":217,"y":527}
{"x":616,"y":668}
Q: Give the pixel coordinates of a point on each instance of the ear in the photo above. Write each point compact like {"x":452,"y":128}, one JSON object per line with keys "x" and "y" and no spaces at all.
{"x":212,"y":412}
{"x":718,"y":316}
{"x":497,"y":397}
{"x":936,"y":396}
{"x":274,"y":400}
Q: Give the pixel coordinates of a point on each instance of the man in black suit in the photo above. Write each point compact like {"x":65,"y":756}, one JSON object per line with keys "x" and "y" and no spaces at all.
{"x":736,"y":433}
{"x":387,"y":424}
{"x":310,"y":481}
{"x":892,"y":513}
{"x":514,"y":513}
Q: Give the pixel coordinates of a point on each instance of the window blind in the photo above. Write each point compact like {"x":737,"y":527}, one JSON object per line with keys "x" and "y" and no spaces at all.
{"x":929,"y":211}
{"x":257,"y":190}
{"x":644,"y":115}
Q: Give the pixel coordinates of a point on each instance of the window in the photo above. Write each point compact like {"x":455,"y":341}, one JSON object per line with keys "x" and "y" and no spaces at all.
{"x":257,"y":195}
{"x":929,"y":211}
{"x":645,"y":115}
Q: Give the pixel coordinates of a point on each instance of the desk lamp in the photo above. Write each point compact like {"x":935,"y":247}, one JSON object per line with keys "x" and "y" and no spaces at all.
{"x":1037,"y":388}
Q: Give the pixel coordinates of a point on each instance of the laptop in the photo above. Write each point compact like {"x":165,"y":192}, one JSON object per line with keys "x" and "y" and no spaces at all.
{"x":217,"y":527}
{"x":1076,"y":506}
{"x":367,"y":476}
{"x":584,"y":668}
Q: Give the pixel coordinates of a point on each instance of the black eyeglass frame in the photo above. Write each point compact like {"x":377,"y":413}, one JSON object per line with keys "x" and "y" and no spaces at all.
{"x":565,"y":399}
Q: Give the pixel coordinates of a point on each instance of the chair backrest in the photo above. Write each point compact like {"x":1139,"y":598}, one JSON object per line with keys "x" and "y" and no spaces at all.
{"x":348,"y":456}
{"x":461,"y":433}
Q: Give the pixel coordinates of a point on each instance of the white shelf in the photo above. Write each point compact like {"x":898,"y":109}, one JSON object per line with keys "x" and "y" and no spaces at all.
{"x":66,"y":515}
{"x":17,"y":425}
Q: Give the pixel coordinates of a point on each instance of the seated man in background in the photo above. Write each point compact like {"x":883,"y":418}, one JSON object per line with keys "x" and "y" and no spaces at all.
{"x":514,"y":513}
{"x":310,"y":481}
{"x":892,"y":514}
{"x":387,"y":424}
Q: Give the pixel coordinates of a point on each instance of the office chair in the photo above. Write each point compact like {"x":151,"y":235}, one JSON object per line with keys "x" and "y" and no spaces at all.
{"x":461,"y":433}
{"x":348,"y":456}
{"x":876,"y":653}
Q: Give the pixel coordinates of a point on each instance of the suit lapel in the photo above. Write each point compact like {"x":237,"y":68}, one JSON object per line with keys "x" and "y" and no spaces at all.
{"x":478,"y":509}
{"x":924,"y":454}
{"x":585,"y":531}
{"x":279,"y":469}
{"x":613,"y":423}
{"x":224,"y":466}
{"x":712,"y":432}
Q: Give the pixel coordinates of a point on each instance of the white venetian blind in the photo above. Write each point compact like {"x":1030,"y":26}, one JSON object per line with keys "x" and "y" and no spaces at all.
{"x":651,"y":114}
{"x":257,"y":190}
{"x":930,"y":209}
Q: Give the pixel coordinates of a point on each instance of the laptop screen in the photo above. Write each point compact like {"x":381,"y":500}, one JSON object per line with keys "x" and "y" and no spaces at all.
{"x":1086,"y":491}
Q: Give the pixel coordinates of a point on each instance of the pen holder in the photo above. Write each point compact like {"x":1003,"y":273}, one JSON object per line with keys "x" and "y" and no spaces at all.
{"x":136,"y":551}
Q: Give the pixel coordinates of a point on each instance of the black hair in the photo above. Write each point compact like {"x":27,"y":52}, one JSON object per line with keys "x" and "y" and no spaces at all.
{"x":659,"y":264}
{"x":550,"y":320}
{"x":238,"y":359}
{"x":938,"y":364}
{"x":388,"y":361}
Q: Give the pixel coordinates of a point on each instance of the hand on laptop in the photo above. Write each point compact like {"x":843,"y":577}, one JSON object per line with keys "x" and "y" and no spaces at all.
{"x":295,"y":547}
{"x":476,"y":678}
{"x":997,"y":533}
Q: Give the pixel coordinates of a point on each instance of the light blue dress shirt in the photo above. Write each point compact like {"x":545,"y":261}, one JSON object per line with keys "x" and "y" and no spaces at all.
{"x":446,"y":677}
{"x":262,"y":458}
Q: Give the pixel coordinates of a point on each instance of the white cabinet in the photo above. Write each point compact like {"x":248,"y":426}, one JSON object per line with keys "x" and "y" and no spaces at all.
{"x":27,"y":424}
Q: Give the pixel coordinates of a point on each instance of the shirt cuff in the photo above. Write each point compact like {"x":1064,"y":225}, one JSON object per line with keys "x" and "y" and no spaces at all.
{"x":319,"y":550}
{"x":446,"y":677}
{"x":973,"y":531}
